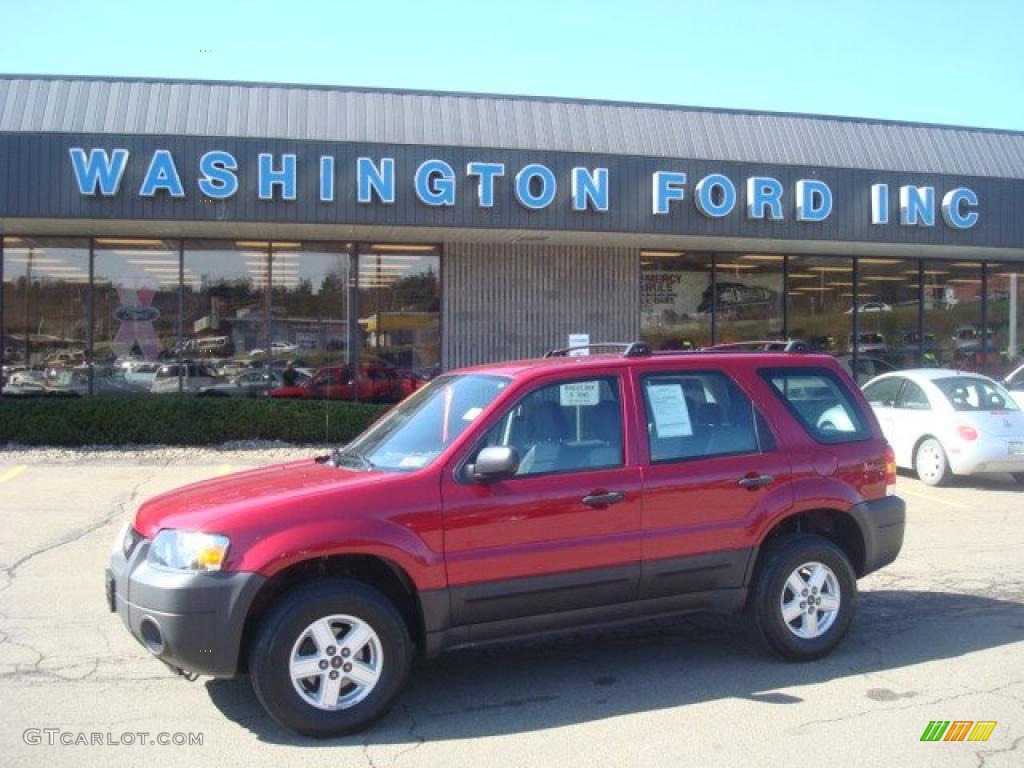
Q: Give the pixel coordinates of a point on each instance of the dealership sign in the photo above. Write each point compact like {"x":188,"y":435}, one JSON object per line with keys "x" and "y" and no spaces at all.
{"x":436,"y":183}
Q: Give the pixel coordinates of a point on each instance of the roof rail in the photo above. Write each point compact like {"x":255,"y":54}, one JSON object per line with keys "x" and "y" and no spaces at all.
{"x":761,"y":345}
{"x":629,"y":348}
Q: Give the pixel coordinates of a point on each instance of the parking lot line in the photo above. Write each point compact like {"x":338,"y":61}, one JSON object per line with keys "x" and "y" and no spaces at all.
{"x":13,"y":472}
{"x":929,"y":497}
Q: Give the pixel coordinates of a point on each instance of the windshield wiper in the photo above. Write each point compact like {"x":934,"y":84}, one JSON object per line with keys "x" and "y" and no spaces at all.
{"x":347,"y":458}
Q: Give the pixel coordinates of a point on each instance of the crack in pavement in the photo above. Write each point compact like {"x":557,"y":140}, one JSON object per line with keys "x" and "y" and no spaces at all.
{"x":10,"y":572}
{"x":413,"y":733}
{"x":981,"y":754}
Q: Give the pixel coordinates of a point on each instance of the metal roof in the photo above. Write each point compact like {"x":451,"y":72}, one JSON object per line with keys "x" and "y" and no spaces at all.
{"x":307,"y":112}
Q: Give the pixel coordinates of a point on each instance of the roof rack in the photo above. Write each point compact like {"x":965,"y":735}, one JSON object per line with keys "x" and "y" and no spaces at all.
{"x":761,"y":345}
{"x":629,"y":348}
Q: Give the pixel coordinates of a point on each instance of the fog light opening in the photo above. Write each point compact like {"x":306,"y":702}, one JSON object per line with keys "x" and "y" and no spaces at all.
{"x":152,"y":637}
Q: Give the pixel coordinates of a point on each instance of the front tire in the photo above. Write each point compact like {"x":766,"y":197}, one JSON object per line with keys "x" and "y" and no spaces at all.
{"x":931,"y":464}
{"x":804,"y":597}
{"x":331,"y":658}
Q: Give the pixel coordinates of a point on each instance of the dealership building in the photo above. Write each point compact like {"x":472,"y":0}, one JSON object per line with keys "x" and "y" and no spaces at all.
{"x":158,"y":220}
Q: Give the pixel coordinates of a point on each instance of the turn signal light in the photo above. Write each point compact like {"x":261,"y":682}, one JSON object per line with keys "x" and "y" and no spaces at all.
{"x":890,"y":465}
{"x":967,"y":433}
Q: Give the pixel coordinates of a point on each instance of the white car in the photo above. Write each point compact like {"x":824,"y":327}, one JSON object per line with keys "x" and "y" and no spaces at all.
{"x":942,"y":422}
{"x":194,"y":377}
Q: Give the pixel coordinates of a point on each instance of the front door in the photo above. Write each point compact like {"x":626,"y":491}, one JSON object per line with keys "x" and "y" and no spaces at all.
{"x":563,"y":533}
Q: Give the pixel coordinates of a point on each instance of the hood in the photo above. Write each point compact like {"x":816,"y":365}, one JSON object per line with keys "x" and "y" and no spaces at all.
{"x":220,"y":504}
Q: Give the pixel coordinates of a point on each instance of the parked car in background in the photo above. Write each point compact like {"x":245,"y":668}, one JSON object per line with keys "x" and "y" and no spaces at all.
{"x":250,"y":384}
{"x":868,"y":342}
{"x":942,"y":422}
{"x":867,"y":367}
{"x":195,"y":376}
{"x":212,"y":346}
{"x":871,"y":306}
{"x":25,"y":383}
{"x":371,"y":384}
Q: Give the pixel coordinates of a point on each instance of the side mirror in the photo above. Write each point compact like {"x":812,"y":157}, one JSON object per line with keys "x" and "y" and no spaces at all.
{"x":494,"y":463}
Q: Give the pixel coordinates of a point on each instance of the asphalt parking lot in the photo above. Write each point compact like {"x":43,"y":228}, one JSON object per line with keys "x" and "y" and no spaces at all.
{"x":939,"y":636}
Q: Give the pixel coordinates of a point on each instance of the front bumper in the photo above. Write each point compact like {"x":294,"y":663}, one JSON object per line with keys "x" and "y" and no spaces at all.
{"x":881,"y":523}
{"x":190,"y":621}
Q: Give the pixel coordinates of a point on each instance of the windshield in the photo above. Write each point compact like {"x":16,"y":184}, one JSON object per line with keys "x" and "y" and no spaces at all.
{"x":415,"y":432}
{"x":971,"y":393}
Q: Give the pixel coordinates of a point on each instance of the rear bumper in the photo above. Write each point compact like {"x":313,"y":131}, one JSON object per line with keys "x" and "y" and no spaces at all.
{"x":882,"y":523}
{"x":989,"y":454}
{"x":190,"y":621}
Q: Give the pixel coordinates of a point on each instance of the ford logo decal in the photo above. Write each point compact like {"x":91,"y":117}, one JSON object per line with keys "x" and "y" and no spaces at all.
{"x":137,"y":314}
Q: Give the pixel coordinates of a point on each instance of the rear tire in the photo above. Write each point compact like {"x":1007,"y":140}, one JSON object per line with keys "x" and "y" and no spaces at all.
{"x":931,"y":464}
{"x":804,"y":597}
{"x":367,"y":639}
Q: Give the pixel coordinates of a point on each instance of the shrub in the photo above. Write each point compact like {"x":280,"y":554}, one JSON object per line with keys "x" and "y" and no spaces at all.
{"x":179,"y":420}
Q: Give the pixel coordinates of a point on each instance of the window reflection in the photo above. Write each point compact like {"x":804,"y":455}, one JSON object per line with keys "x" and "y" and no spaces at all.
{"x":45,"y":321}
{"x":820,"y":297}
{"x":1005,"y":305}
{"x":399,"y":309}
{"x":749,"y":291}
{"x":952,"y":307}
{"x":675,"y":299}
{"x":135,"y":315}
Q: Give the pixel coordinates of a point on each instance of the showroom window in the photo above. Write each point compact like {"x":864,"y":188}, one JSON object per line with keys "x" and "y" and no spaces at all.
{"x":888,"y":315}
{"x":953,"y":314}
{"x":45,"y":312}
{"x":135,"y":313}
{"x":399,"y":311}
{"x":749,"y":289}
{"x":676,"y":299}
{"x":1005,"y":290}
{"x":820,"y":298}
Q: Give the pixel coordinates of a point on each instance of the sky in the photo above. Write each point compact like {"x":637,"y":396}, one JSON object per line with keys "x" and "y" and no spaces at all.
{"x":937,"y":61}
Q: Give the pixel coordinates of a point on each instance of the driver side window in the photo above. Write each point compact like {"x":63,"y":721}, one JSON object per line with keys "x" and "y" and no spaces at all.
{"x":569,"y":426}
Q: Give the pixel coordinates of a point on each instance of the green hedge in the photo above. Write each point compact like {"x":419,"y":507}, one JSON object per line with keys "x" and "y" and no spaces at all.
{"x":178,"y":420}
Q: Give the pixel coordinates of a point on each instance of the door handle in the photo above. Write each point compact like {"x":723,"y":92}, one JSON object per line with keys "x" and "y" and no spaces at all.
{"x":603,"y":499}
{"x":756,"y":481}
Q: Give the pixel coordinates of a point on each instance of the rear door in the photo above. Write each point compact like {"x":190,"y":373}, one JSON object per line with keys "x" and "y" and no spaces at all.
{"x":712,"y":467}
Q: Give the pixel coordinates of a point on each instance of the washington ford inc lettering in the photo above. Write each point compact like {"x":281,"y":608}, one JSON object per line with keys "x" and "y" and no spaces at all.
{"x":435,"y":183}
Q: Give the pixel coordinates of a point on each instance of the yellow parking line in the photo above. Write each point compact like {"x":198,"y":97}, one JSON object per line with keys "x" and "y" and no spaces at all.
{"x":223,"y":469}
{"x":12,"y":473}
{"x":929,"y":497}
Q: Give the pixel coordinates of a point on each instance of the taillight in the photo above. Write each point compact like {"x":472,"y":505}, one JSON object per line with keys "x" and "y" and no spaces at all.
{"x":890,"y":466}
{"x":966,"y":432}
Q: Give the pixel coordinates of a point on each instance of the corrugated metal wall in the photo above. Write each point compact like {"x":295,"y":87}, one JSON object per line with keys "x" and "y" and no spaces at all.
{"x":504,"y":302}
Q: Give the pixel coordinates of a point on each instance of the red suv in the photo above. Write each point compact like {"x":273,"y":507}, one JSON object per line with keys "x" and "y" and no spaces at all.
{"x":516,"y":499}
{"x":373,"y":384}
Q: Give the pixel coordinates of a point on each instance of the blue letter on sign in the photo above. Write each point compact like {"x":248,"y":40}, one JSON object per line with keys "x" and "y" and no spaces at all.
{"x":764,"y":192}
{"x":548,"y":186}
{"x":813,"y":200}
{"x":705,"y":193}
{"x":590,"y":189}
{"x":372,"y":181}
{"x":219,"y":181}
{"x":326,"y":178}
{"x":435,"y":183}
{"x":917,"y":206}
{"x":98,"y":170}
{"x":270,"y":177}
{"x":879,"y":203}
{"x":667,"y":186}
{"x":953,"y":201}
{"x":162,"y":174}
{"x":487,"y":172}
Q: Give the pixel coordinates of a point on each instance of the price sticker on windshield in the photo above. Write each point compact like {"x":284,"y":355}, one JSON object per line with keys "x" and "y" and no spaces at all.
{"x":579,"y":393}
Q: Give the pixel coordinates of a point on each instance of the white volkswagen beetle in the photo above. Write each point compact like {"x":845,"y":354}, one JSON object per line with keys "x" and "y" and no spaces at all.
{"x":942,"y":422}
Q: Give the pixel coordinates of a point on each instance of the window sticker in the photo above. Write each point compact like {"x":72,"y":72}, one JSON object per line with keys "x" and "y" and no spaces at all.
{"x":579,"y":393}
{"x":668,"y":406}
{"x":471,"y":414}
{"x":413,"y":461}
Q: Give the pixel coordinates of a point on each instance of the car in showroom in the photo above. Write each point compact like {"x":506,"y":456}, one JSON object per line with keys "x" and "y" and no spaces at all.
{"x":513,"y":500}
{"x":943,"y":422}
{"x":871,"y":306}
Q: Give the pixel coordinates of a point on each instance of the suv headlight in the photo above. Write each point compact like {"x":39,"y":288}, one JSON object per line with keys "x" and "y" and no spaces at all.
{"x":188,"y":550}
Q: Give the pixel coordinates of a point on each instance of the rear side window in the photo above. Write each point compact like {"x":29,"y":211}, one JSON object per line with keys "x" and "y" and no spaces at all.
{"x":820,"y":402}
{"x":695,"y":414}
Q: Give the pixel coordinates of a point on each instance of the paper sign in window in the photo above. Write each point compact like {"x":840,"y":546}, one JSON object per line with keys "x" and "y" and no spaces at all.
{"x":668,"y":407}
{"x":579,"y":393}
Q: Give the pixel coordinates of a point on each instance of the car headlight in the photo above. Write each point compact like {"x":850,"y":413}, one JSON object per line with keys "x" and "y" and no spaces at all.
{"x":122,"y":542}
{"x":188,"y":550}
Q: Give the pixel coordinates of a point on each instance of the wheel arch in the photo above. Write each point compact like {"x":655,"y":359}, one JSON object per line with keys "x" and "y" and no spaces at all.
{"x":831,"y":524}
{"x":378,"y":572}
